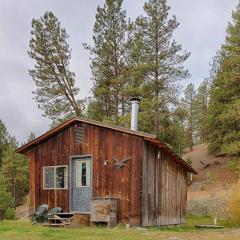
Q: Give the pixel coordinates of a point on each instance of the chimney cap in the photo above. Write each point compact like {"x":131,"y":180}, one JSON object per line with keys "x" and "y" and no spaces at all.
{"x":135,"y":99}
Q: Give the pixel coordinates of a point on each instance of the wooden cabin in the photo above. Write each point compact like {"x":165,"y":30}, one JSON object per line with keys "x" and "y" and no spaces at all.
{"x":84,"y":159}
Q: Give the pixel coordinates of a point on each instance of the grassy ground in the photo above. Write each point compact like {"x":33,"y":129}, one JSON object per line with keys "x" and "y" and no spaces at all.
{"x":23,"y":230}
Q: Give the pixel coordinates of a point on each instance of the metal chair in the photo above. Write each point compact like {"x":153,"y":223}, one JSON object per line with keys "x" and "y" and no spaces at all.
{"x":40,"y":214}
{"x":53,"y":211}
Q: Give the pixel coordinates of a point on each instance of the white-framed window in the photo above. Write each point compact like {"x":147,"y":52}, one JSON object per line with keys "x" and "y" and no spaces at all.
{"x":55,"y":177}
{"x":83,"y":173}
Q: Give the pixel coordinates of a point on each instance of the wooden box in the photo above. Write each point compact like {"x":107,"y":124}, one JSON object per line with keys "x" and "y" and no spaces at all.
{"x":80,"y":219}
{"x":104,"y":210}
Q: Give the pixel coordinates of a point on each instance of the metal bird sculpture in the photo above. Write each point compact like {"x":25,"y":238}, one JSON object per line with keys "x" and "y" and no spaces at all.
{"x":121,"y":163}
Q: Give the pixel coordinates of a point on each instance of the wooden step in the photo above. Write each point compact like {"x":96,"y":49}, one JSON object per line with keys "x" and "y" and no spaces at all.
{"x":54,"y":224}
{"x":65,"y":215}
{"x":65,"y":221}
{"x":208,"y":226}
{"x":59,"y":218}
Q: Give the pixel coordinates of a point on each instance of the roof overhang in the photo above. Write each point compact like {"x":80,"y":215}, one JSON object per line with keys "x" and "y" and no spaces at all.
{"x":71,"y":121}
{"x":149,"y":137}
{"x":171,"y":153}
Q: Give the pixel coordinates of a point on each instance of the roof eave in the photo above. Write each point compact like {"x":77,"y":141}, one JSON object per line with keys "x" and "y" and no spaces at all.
{"x":162,"y":145}
{"x":67,"y":123}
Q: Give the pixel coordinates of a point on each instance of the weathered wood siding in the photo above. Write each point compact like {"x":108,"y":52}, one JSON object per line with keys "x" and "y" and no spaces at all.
{"x":151,"y":186}
{"x":103,"y":144}
{"x":164,"y":189}
{"x":51,"y":152}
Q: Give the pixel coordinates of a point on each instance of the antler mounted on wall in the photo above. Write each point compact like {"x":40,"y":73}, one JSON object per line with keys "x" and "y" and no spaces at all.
{"x":121,"y":163}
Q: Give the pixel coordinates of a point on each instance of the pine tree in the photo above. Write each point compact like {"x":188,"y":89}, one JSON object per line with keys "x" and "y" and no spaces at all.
{"x":6,"y":201}
{"x":108,"y":62}
{"x":56,"y":92}
{"x":189,"y":105}
{"x":15,"y":173}
{"x":201,"y":106}
{"x":31,"y":137}
{"x":162,"y":63}
{"x":224,"y":107}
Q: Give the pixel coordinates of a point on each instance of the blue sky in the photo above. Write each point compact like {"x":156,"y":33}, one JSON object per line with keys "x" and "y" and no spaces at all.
{"x":202,"y":30}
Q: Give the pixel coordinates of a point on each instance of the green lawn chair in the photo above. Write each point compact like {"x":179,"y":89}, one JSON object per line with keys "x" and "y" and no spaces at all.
{"x":40,"y":214}
{"x":54,"y":211}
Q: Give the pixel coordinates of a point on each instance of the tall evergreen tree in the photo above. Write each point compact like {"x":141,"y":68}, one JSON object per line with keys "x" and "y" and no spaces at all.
{"x":189,"y":105}
{"x":162,"y":61}
{"x":56,"y":92}
{"x":108,"y":62}
{"x":15,"y":173}
{"x":201,"y":106}
{"x":224,"y":107}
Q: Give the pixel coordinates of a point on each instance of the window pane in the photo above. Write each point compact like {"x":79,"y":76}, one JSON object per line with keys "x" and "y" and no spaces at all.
{"x":83,"y":173}
{"x":61,"y":177}
{"x":48,"y":177}
{"x":88,"y":173}
{"x":78,"y":174}
{"x":84,"y":182}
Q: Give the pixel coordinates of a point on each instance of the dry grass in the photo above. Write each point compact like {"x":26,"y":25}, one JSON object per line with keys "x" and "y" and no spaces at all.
{"x":213,"y":206}
{"x":233,"y":205}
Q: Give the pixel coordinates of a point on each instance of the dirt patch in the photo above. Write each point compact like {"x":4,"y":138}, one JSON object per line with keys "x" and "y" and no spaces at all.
{"x":215,"y":178}
{"x":22,"y":211}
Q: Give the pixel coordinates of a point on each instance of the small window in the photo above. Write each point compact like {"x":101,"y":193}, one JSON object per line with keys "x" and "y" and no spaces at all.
{"x":55,"y":177}
{"x":83,"y":173}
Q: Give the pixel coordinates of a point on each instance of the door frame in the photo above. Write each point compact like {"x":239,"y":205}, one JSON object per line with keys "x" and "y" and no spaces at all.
{"x":71,"y":172}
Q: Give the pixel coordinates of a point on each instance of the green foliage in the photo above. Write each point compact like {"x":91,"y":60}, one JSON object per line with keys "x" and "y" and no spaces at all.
{"x":188,"y":102}
{"x":6,"y":201}
{"x":55,"y":93}
{"x":162,"y":60}
{"x":108,"y":62}
{"x":223,"y":117}
{"x":138,"y":58}
{"x":15,"y":174}
{"x":234,"y":165}
{"x":201,"y":111}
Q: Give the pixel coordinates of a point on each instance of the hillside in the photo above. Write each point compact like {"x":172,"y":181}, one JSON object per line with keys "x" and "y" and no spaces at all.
{"x":214,"y":174}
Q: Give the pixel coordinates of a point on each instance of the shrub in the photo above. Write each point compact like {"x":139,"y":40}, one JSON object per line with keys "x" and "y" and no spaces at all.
{"x":213,"y":206}
{"x":10,"y":213}
{"x":234,"y":164}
